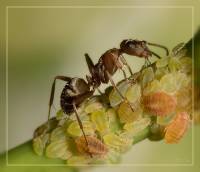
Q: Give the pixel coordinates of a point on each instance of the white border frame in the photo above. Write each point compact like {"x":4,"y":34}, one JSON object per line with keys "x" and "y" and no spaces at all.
{"x":102,"y":165}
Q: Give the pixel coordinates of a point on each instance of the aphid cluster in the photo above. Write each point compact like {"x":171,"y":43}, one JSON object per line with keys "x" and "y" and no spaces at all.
{"x":156,"y":99}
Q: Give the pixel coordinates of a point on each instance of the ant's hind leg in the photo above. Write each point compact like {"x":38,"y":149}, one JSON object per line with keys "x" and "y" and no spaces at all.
{"x":81,"y":127}
{"x":115,"y":87}
{"x":63,"y":78}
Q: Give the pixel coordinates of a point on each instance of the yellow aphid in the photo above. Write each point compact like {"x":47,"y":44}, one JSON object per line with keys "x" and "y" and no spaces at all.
{"x":112,"y":115}
{"x":137,"y":126}
{"x":126,"y":114}
{"x":177,"y":128}
{"x":114,"y":123}
{"x":159,"y":103}
{"x":152,"y":87}
{"x":114,"y":97}
{"x":147,"y":76}
{"x":100,"y":120}
{"x":133,"y":93}
{"x":58,"y":134}
{"x":94,"y":147}
{"x":58,"y":149}
{"x":39,"y":143}
{"x":92,"y":107}
{"x":168,"y":83}
{"x":117,"y":142}
{"x":74,"y":128}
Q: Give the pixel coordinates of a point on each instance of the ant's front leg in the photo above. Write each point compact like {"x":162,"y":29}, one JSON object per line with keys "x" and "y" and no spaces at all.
{"x":147,"y":62}
{"x":63,"y":78}
{"x":81,"y":127}
{"x":124,"y":73}
{"x":115,"y":87}
{"x":123,"y":60}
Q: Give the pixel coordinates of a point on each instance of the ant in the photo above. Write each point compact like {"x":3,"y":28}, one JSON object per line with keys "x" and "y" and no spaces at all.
{"x":113,"y":59}
{"x":77,"y":90}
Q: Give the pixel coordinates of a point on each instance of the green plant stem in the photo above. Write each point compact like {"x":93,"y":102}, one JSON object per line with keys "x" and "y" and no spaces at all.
{"x":23,"y":159}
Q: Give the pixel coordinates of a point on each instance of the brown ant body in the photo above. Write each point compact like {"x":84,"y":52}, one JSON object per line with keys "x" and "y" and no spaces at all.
{"x":77,"y":90}
{"x":113,"y":59}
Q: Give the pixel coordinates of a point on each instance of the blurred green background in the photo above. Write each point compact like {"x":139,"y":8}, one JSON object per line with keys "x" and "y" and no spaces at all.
{"x":45,"y":42}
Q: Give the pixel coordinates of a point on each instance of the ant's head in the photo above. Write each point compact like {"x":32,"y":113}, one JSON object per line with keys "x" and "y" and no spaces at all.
{"x":135,"y":48}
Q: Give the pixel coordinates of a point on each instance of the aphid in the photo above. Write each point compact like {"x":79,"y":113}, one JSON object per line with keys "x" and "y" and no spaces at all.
{"x":39,"y":144}
{"x":159,"y":103}
{"x":100,"y":120}
{"x":126,"y":115}
{"x":58,"y":149}
{"x":119,"y":142}
{"x":93,"y":104}
{"x":114,"y":98}
{"x":44,"y":128}
{"x":57,"y":134}
{"x":74,"y":130}
{"x":95,"y":146}
{"x":177,"y":128}
{"x":137,"y":126}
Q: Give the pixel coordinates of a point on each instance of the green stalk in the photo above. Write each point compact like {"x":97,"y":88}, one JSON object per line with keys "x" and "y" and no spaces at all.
{"x":23,"y":159}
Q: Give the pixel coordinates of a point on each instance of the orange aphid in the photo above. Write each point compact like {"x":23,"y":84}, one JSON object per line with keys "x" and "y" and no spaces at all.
{"x":159,"y":103}
{"x":177,"y":128}
{"x":95,"y":146}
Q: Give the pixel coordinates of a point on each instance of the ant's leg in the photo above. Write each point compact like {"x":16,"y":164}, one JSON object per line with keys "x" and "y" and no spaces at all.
{"x":155,"y":54}
{"x":63,"y":78}
{"x":115,"y":87}
{"x":126,"y":64}
{"x":147,"y":62}
{"x":113,"y":84}
{"x":161,"y":46}
{"x":124,"y":73}
{"x":81,"y":126}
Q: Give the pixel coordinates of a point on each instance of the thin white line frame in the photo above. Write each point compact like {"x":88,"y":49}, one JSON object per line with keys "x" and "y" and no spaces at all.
{"x":102,"y":7}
